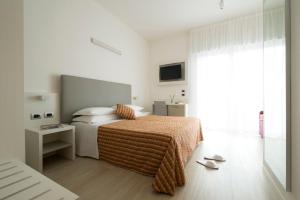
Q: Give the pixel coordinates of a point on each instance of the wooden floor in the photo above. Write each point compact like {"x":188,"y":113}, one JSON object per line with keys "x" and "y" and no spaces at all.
{"x":241,"y":177}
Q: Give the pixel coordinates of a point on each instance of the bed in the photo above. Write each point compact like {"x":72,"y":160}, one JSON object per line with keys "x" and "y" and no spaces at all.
{"x":156,"y":146}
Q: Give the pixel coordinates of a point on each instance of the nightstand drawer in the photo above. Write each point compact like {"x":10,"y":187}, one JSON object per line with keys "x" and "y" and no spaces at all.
{"x":174,"y":107}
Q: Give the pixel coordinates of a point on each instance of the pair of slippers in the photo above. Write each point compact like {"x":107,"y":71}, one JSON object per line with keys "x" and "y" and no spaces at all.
{"x":210,"y":163}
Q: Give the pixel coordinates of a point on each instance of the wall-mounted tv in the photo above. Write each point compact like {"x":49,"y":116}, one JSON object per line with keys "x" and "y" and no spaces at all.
{"x":172,"y":72}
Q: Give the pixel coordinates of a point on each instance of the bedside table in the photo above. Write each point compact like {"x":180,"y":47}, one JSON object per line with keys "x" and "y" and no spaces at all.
{"x":42,"y":143}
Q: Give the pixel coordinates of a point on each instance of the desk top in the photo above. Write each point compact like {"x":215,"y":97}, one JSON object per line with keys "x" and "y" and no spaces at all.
{"x":174,"y":104}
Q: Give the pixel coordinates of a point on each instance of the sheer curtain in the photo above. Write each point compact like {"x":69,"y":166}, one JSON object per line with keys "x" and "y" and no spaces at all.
{"x":275,"y":93}
{"x":275,"y":73}
{"x":226,"y":74}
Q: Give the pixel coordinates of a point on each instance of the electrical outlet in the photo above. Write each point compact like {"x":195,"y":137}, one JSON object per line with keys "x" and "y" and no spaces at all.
{"x":183,"y":93}
{"x":34,"y":116}
{"x":48,"y":115}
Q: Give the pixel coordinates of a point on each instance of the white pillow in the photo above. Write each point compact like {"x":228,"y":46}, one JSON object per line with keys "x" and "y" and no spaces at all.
{"x":141,"y":114}
{"x":95,"y":111}
{"x":94,"y":119}
{"x":134,"y":107}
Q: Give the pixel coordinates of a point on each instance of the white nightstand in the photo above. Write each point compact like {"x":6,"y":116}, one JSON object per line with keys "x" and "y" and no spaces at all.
{"x":41,"y":143}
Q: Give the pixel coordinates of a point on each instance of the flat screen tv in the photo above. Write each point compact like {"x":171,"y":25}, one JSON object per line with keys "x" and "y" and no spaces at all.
{"x":171,"y":72}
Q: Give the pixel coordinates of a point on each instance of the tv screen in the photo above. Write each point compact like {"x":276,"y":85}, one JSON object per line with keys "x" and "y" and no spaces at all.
{"x":170,"y":72}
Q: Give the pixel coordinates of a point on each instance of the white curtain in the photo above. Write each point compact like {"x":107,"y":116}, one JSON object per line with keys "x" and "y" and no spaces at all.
{"x":226,"y":74}
{"x":275,"y":144}
{"x":275,"y":73}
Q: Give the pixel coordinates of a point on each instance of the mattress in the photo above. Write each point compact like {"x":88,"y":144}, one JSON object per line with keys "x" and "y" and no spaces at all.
{"x":157,"y":146}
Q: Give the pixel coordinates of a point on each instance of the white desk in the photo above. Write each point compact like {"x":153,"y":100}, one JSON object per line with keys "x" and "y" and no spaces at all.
{"x":177,"y":110}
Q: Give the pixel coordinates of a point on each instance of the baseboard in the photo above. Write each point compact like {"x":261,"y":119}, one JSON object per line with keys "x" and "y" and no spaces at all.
{"x":280,"y":190}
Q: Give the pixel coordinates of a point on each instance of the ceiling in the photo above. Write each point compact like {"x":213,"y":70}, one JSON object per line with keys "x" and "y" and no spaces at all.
{"x":158,"y":18}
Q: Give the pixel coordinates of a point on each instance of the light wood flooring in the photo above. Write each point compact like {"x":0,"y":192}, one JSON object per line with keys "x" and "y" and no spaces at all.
{"x":241,"y":177}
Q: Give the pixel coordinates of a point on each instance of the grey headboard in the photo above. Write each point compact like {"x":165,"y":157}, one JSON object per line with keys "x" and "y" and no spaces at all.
{"x":78,"y":93}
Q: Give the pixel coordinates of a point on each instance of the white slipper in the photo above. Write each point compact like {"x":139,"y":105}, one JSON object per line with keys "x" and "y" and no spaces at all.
{"x":216,"y":157}
{"x":209,"y":164}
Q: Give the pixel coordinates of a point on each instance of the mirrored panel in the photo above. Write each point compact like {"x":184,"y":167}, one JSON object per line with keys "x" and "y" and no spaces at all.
{"x":276,"y":90}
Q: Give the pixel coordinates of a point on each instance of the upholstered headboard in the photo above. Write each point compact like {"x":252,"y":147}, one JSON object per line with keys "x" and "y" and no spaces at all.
{"x":78,"y":93}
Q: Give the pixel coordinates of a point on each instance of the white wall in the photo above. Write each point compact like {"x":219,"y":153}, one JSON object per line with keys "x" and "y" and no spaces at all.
{"x":11,"y":80}
{"x":164,"y":51}
{"x":295,"y":97}
{"x":57,"y":41}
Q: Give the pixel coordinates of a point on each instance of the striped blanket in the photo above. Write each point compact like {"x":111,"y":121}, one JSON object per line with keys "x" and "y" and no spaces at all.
{"x":156,"y":146}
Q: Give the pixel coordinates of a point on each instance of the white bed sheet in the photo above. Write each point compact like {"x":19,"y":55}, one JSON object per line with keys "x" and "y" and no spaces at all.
{"x":86,"y":138}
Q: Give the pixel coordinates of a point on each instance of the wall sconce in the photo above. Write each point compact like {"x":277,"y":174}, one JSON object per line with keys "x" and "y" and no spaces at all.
{"x":106,"y":46}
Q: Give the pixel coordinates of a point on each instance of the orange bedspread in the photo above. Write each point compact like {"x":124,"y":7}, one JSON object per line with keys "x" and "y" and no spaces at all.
{"x":158,"y":146}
